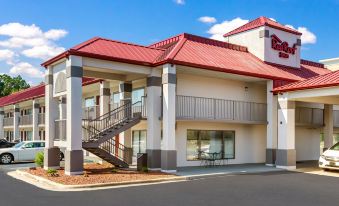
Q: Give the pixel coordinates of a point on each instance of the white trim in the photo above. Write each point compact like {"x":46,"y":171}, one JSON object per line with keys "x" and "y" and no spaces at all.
{"x":169,"y":171}
{"x":270,"y":165}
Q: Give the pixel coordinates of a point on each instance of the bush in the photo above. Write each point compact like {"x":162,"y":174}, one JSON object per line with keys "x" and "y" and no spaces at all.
{"x":52,"y":172}
{"x":39,"y":159}
{"x":114,"y":170}
{"x":144,"y":169}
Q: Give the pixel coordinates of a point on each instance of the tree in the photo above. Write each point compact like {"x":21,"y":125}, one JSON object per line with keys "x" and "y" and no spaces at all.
{"x":9,"y":84}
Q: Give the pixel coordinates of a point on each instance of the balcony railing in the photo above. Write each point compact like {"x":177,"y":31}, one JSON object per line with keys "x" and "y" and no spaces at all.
{"x":8,"y":121}
{"x":60,"y":130}
{"x":91,"y":112}
{"x":202,"y":108}
{"x":26,"y":120}
{"x":41,"y":118}
{"x":305,"y":116}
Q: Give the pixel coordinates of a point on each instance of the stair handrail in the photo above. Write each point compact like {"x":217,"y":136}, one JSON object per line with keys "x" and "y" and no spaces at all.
{"x":117,"y":149}
{"x":95,"y":127}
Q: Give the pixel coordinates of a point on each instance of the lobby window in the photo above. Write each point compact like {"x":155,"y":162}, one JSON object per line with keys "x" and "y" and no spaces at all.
{"x":139,"y":142}
{"x":89,"y":102}
{"x":210,"y":141}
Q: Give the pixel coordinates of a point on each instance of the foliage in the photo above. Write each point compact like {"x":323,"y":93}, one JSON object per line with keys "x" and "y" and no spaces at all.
{"x":9,"y":84}
{"x":52,"y":172}
{"x":114,"y":170}
{"x":144,"y":169}
{"x":39,"y":159}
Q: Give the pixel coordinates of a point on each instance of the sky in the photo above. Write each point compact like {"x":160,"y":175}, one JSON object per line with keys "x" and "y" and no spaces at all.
{"x":34,"y":31}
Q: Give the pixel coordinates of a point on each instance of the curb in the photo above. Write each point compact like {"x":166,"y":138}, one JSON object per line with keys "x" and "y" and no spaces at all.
{"x":51,"y":185}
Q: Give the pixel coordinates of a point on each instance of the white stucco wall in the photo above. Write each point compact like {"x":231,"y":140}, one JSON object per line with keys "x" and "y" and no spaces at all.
{"x":307,"y":143}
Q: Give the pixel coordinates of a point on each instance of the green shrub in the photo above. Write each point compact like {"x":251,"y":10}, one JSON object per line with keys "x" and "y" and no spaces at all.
{"x":114,"y":170}
{"x":144,"y":169}
{"x":52,"y":172}
{"x":39,"y":159}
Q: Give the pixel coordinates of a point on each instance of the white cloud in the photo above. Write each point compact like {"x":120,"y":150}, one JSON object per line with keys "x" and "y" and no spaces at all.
{"x":307,"y":36}
{"x":25,"y":68}
{"x":180,"y":2}
{"x":218,"y":30}
{"x":20,"y":30}
{"x":55,"y":34}
{"x":6,"y":54}
{"x":207,"y":19}
{"x":43,"y":52}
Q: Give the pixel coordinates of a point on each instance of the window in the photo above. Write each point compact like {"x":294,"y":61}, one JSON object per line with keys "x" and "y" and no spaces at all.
{"x":38,"y":144}
{"x":209,"y":141}
{"x":139,"y":142}
{"x":137,"y":94}
{"x":89,"y":102}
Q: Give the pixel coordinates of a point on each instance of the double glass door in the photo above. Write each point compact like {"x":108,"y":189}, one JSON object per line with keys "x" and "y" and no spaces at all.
{"x":139,"y":142}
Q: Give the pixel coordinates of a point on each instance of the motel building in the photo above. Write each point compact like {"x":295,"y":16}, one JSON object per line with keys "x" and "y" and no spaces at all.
{"x":247,"y":99}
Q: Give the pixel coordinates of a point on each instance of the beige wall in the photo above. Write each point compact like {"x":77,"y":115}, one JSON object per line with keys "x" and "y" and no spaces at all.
{"x":307,"y":143}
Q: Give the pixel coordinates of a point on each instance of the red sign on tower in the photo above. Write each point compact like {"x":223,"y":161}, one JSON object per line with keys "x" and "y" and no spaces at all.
{"x":282,"y":47}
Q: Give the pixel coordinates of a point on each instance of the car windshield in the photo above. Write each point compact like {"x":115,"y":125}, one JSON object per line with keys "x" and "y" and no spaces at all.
{"x":19,"y":145}
{"x":335,"y":147}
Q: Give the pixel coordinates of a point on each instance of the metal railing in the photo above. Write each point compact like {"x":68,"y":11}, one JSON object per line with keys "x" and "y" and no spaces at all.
{"x":41,"y":118}
{"x":26,"y":119}
{"x":305,"y":116}
{"x":9,"y":121}
{"x":91,"y":112}
{"x":60,"y":130}
{"x":93,"y":128}
{"x":202,"y":108}
{"x":118,"y":150}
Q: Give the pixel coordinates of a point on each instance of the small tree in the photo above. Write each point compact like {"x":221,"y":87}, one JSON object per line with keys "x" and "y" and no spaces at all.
{"x":39,"y":159}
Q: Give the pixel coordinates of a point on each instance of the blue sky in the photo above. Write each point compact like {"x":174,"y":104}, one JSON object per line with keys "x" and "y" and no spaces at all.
{"x":32,"y":31}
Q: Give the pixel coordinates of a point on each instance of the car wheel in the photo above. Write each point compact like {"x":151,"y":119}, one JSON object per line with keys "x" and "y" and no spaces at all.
{"x":6,"y":158}
{"x":61,"y":156}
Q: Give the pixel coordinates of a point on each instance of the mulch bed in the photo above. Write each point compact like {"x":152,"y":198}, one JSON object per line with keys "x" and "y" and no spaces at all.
{"x":99,"y":173}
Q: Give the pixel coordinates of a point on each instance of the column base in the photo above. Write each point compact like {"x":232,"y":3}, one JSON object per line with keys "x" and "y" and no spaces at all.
{"x":52,"y":158}
{"x":169,"y":161}
{"x":74,"y":162}
{"x":270,"y":156}
{"x":286,"y":159}
{"x":154,"y":159}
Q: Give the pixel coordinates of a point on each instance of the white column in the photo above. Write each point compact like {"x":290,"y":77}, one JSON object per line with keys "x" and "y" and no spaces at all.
{"x":286,"y":153}
{"x":328,"y":129}
{"x":168,"y":152}
{"x":153,"y":105}
{"x":51,"y":159}
{"x":125,"y":91}
{"x":35,"y":122}
{"x":16,"y":120}
{"x":74,"y":155}
{"x":272,"y":125}
{"x":2,"y":115}
{"x":105,"y":94}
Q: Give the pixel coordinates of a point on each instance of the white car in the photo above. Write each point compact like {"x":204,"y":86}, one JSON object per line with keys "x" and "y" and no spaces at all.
{"x":23,"y":151}
{"x":330,"y":158}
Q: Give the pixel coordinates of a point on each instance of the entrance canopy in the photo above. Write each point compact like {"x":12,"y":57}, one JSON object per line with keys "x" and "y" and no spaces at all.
{"x":319,"y":89}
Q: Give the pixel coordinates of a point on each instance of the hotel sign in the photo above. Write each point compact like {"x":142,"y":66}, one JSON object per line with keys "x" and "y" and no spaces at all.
{"x":282,"y":47}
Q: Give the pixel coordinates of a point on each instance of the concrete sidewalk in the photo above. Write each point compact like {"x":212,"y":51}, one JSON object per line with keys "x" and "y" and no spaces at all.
{"x":203,"y":171}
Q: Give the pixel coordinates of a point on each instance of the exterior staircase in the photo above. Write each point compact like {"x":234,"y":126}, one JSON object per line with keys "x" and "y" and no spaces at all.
{"x":100,"y":133}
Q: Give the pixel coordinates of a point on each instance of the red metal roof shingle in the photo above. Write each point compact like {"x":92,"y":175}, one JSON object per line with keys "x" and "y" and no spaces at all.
{"x":262,"y":21}
{"x":33,"y":93}
{"x":325,"y":80}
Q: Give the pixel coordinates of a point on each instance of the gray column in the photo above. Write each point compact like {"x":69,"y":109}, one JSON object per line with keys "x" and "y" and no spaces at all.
{"x":328,"y":128}
{"x":272,"y":126}
{"x":286,"y":153}
{"x":51,"y":160}
{"x":16,"y":119}
{"x":74,"y":158}
{"x":105,"y":94}
{"x":125,"y":91}
{"x":2,"y":115}
{"x":153,"y":143}
{"x":169,"y":152}
{"x":35,"y":122}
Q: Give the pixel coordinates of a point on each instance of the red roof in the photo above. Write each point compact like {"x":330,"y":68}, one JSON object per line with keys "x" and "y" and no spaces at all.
{"x":106,"y":49}
{"x":196,"y":51}
{"x":325,"y":80}
{"x":190,"y":50}
{"x":33,"y":93}
{"x":262,"y":21}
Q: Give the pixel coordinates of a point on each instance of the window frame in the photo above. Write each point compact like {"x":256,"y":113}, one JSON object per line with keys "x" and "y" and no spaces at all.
{"x":223,"y":140}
